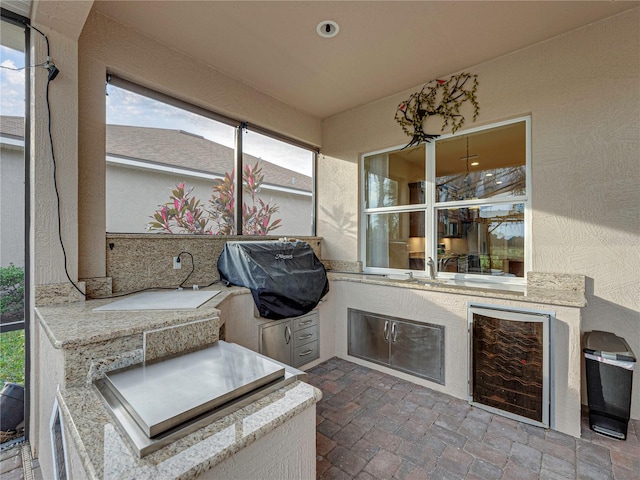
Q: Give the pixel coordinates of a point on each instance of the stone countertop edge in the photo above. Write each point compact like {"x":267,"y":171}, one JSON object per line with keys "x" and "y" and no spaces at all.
{"x":71,"y":325}
{"x":97,"y":437}
{"x":566,"y":298}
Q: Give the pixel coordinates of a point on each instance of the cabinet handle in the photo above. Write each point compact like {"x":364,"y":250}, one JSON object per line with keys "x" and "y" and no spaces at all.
{"x":304,"y":337}
{"x":394,"y":332}
{"x":386,"y":330}
{"x":306,"y":322}
{"x":287,"y":334}
{"x":304,"y":354}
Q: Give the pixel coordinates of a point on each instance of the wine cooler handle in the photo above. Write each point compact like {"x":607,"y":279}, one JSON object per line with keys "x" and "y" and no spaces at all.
{"x":386,"y":330}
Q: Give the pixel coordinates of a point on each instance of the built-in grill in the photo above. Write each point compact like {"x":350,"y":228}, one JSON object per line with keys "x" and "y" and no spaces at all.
{"x":158,"y":403}
{"x":286,"y":279}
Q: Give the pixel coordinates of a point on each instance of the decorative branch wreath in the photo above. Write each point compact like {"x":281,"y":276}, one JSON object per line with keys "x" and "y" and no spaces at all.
{"x":437,"y":97}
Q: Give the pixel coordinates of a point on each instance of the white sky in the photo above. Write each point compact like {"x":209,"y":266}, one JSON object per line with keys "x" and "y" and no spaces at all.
{"x":126,"y":108}
{"x":11,"y":83}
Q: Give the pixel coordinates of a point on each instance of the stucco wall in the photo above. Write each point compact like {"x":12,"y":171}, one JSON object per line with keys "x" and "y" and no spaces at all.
{"x":106,"y":45}
{"x":47,"y":256}
{"x":49,"y":376}
{"x":12,"y":205}
{"x":288,"y":452}
{"x":582,"y":90}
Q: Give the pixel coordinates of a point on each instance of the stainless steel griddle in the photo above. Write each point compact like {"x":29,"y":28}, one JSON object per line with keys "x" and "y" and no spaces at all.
{"x":161,"y":402}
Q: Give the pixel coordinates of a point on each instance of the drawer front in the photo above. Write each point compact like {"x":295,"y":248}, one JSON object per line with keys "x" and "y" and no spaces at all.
{"x":304,"y":336}
{"x":306,"y":353}
{"x":305,"y":321}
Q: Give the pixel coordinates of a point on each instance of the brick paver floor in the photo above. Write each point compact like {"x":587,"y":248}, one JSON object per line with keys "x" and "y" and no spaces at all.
{"x":375,"y":426}
{"x":12,"y":464}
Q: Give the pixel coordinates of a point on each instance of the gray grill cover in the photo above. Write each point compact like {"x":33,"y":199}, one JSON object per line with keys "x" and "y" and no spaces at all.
{"x":286,"y":279}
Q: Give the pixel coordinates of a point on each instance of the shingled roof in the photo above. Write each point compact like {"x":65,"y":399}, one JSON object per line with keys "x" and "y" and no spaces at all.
{"x":176,"y":148}
{"x":12,"y":127}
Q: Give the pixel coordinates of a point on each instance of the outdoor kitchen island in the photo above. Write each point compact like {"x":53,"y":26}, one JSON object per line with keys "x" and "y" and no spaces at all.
{"x":386,"y":323}
{"x":272,"y":436}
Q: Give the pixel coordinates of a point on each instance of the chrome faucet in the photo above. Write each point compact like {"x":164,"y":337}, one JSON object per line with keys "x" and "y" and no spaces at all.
{"x":410,"y":276}
{"x":432,"y":271}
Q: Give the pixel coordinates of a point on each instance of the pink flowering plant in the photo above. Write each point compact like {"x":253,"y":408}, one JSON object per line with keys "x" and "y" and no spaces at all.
{"x":181,"y":214}
{"x":184,"y":213}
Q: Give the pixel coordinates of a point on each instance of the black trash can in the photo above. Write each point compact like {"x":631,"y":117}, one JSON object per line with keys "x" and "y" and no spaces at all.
{"x":11,"y":406}
{"x":609,"y":370}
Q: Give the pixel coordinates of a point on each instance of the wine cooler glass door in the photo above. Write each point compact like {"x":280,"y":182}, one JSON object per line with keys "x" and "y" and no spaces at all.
{"x":509,"y":363}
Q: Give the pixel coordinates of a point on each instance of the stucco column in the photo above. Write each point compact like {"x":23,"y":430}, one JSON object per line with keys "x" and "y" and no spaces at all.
{"x":92,"y":166}
{"x":62,"y":117}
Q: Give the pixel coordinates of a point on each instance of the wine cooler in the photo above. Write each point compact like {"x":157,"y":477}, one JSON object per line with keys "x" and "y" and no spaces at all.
{"x":509,"y":362}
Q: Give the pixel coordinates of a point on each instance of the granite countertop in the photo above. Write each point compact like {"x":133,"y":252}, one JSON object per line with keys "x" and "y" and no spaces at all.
{"x":71,"y":325}
{"x":97,"y":436}
{"x":535,"y":292}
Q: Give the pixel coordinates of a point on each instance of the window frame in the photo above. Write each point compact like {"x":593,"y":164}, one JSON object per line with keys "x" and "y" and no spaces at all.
{"x":431,"y":207}
{"x":240,"y":128}
{"x":25,"y":23}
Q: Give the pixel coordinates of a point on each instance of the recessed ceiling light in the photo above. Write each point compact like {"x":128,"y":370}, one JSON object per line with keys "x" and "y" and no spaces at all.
{"x":489,"y":175}
{"x":475,"y":164}
{"x":328,"y":29}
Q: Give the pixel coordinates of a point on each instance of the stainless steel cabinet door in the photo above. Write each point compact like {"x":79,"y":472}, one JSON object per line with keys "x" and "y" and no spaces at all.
{"x":368,"y":337}
{"x":417,"y":349}
{"x":275,"y":341}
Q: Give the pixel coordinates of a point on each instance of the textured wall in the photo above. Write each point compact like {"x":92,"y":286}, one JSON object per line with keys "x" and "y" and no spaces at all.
{"x":12,"y":205}
{"x":47,"y":257}
{"x":108,"y":45}
{"x":47,"y":261}
{"x":582,"y":92}
{"x":286,"y":453}
{"x":49,"y":365}
{"x":337,"y":198}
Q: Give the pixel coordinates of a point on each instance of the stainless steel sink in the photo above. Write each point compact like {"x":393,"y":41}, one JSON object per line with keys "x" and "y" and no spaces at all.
{"x":158,"y":403}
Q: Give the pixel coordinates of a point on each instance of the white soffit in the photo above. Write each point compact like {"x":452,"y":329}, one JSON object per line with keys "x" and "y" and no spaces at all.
{"x":384,"y":47}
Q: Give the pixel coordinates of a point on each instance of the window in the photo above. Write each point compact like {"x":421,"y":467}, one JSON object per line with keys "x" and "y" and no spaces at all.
{"x":395,"y":209}
{"x":171,"y":169}
{"x":286,"y":174}
{"x":14,"y":223}
{"x":461,"y":200}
